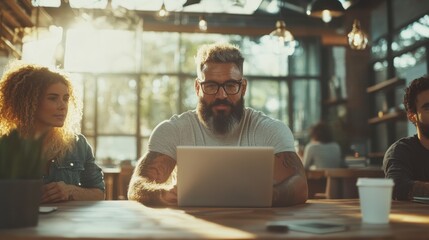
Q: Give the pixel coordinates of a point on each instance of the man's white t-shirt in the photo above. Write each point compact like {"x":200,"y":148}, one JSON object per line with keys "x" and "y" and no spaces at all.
{"x":254,"y":129}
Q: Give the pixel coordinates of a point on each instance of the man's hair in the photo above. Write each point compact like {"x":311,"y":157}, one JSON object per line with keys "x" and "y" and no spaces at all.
{"x":321,"y":132}
{"x":21,"y":90}
{"x":218,"y":53}
{"x":416,"y":87}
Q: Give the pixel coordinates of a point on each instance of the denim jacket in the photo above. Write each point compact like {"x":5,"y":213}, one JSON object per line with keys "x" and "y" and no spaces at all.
{"x":77,"y":168}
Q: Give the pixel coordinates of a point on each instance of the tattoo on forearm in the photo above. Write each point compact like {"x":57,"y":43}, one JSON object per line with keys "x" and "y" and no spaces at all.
{"x":154,"y":175}
{"x":156,"y":167}
{"x":293,"y":187}
{"x":292,"y":161}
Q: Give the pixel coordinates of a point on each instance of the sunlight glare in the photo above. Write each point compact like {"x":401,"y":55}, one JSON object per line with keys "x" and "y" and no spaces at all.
{"x":409,"y":218}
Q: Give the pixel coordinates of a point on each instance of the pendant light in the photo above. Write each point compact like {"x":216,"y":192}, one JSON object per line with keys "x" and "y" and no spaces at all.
{"x":163,"y":13}
{"x":283,"y":37}
{"x":357,"y":38}
{"x":202,"y":24}
{"x":326,"y":9}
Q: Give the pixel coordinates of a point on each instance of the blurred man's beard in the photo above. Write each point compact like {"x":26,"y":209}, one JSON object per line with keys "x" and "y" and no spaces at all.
{"x":424,"y":129}
{"x":220,"y":122}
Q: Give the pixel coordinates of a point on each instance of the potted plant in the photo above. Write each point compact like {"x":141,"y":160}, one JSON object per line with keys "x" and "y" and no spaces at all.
{"x":20,"y":180}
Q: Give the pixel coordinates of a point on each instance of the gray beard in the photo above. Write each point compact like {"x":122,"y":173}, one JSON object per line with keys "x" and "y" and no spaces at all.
{"x":221,"y":122}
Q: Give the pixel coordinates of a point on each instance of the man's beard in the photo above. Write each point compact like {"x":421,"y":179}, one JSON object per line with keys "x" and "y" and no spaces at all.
{"x":424,"y":128}
{"x":221,"y":121}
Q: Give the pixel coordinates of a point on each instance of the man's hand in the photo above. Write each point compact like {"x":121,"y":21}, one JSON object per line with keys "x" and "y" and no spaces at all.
{"x":153,"y":181}
{"x":56,"y":192}
{"x":419,"y":189}
{"x":169,"y":198}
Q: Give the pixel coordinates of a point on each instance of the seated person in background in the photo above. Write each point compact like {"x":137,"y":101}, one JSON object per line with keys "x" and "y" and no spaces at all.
{"x":220,"y":119}
{"x":407,"y":160}
{"x":322,"y":151}
{"x":36,"y":101}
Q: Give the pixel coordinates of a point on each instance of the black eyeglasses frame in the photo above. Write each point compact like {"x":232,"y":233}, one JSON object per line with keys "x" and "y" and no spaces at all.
{"x":239,"y":82}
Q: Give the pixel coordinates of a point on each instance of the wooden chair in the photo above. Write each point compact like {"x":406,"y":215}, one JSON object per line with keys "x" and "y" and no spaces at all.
{"x":111,"y":180}
{"x":316,"y":181}
{"x":124,"y":181}
{"x":341,"y":182}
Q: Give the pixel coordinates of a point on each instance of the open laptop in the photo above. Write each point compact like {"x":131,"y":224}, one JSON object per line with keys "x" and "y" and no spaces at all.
{"x":225,"y":176}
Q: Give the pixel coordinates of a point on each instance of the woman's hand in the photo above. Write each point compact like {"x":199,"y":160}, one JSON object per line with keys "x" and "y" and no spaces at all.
{"x":56,"y":192}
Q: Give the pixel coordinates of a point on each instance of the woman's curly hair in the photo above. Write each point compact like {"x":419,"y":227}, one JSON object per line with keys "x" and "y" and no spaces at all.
{"x":22,"y":87}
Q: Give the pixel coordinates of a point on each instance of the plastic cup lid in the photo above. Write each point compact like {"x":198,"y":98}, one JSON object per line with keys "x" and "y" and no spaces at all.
{"x":375,"y":182}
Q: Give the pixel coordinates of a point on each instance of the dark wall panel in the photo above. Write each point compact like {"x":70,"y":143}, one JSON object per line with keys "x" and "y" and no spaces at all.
{"x":409,"y":10}
{"x":379,"y":21}
{"x":404,"y":12}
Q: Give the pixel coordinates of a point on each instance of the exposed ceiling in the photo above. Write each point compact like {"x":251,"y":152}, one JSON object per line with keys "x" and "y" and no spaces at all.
{"x":252,"y":17}
{"x":245,"y":17}
{"x":14,"y":16}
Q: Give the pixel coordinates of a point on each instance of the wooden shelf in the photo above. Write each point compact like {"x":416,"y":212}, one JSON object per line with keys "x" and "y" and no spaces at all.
{"x":385,"y":85}
{"x":333,"y":102}
{"x":400,"y":115}
{"x":376,"y":155}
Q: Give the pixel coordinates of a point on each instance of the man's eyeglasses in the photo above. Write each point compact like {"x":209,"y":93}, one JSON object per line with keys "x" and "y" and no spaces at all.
{"x":230,"y":87}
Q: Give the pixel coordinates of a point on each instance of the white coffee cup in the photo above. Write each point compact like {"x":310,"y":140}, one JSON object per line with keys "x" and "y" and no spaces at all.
{"x":375,"y":196}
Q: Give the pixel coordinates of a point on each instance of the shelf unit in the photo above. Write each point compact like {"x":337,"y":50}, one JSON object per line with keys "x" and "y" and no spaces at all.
{"x":386,"y":86}
{"x":334,"y":102}
{"x":392,"y":116}
{"x":385,"y":117}
{"x":376,"y":155}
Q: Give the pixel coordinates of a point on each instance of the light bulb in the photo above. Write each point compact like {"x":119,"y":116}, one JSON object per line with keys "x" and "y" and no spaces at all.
{"x":357,"y":38}
{"x":163,"y":11}
{"x":326,"y":9}
{"x":326,"y":16}
{"x":285,"y":39}
{"x":202,"y":24}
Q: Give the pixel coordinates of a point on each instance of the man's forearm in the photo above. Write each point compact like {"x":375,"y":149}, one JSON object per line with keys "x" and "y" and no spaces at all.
{"x":149,"y":193}
{"x":292,"y":191}
{"x":153,"y":181}
{"x":291,"y":187}
{"x":420,"y":189}
{"x":145,"y":197}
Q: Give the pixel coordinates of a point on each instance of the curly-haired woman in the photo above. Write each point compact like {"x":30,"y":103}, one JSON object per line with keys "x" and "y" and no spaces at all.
{"x":36,"y":101}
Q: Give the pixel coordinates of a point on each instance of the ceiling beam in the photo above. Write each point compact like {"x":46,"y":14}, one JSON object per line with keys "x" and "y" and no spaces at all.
{"x":20,"y":13}
{"x":259,"y":24}
{"x":328,"y":36}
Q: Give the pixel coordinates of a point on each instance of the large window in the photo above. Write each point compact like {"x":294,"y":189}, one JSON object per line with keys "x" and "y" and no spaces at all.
{"x":408,"y":61}
{"x":270,"y":97}
{"x":130,"y":88}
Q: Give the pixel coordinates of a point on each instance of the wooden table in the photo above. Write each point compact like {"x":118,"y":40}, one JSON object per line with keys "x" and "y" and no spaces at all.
{"x":131,"y":220}
{"x":337,"y":183}
{"x":341,"y":182}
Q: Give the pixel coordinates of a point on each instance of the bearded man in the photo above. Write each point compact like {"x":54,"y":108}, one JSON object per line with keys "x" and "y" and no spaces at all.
{"x":407,"y":160}
{"x":220,"y":119}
